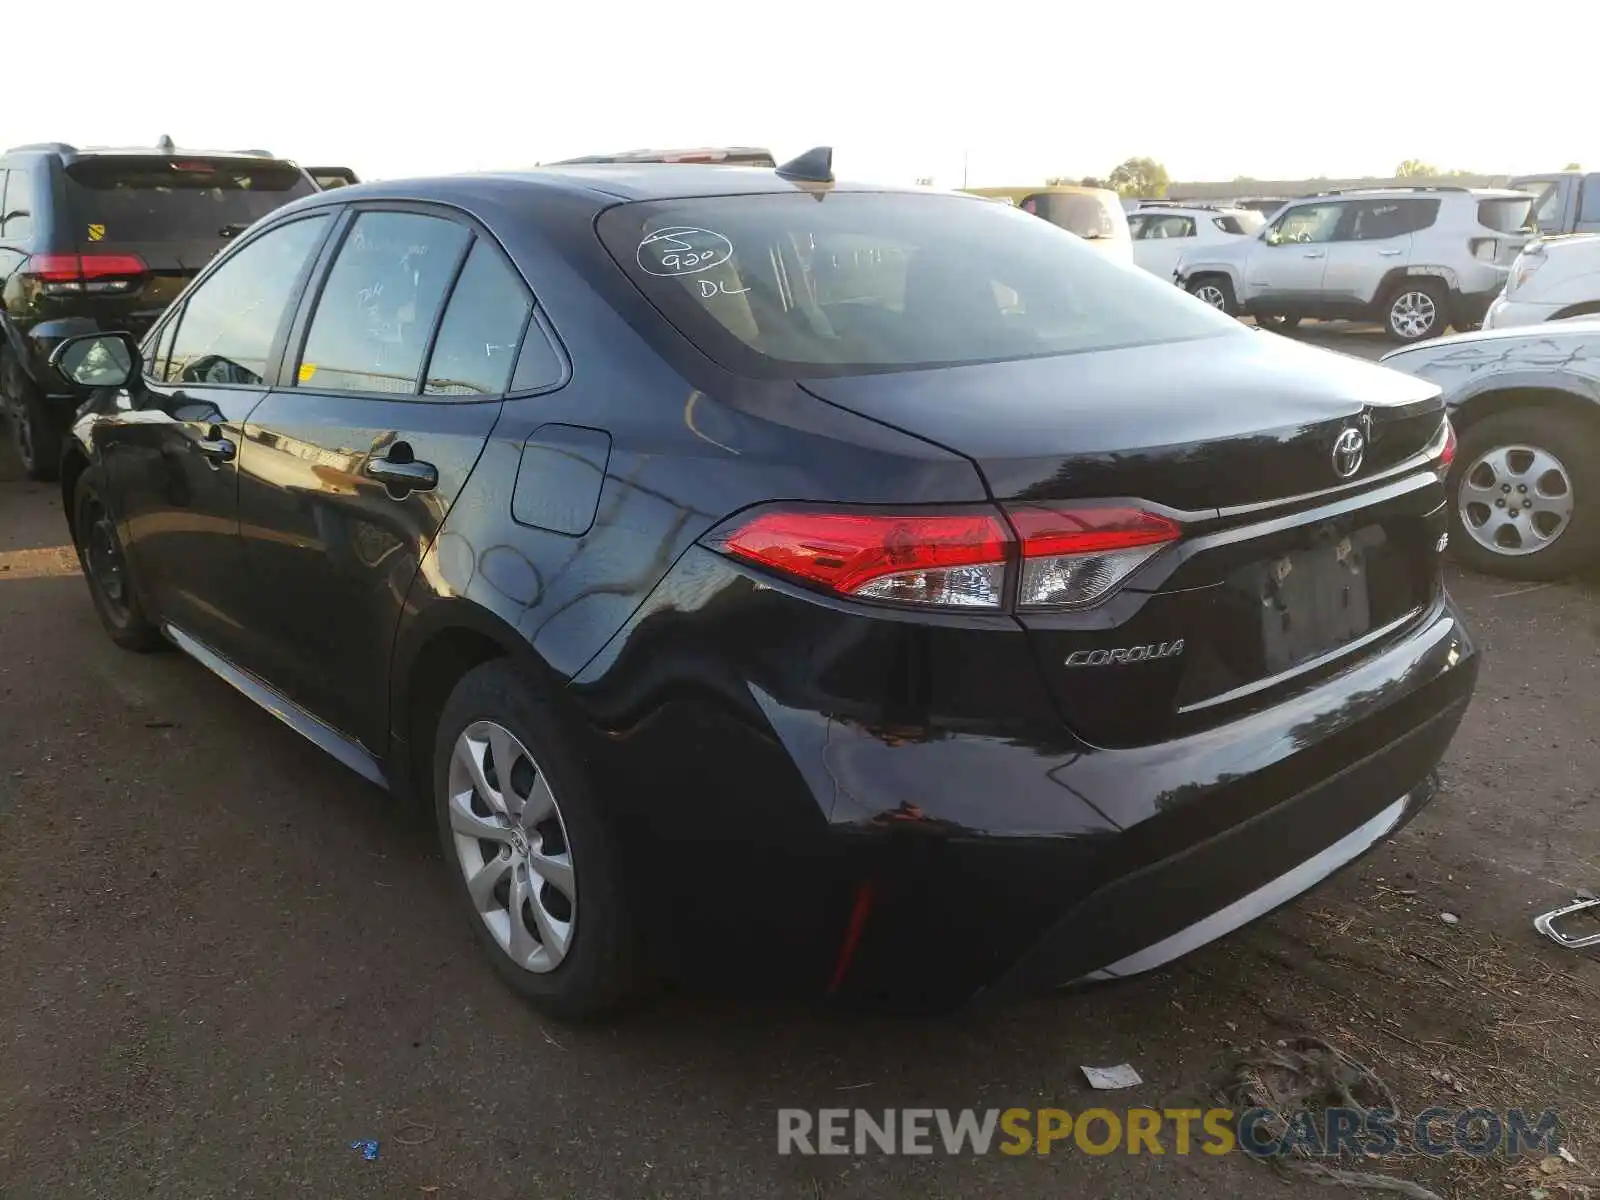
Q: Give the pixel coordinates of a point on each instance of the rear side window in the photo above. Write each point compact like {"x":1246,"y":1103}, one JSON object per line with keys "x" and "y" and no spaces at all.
{"x":477,"y":344}
{"x":1589,"y":207}
{"x":1507,"y":216}
{"x":1378,"y":219}
{"x":230,"y":321}
{"x":16,"y":221}
{"x":795,"y":284}
{"x":122,"y":198}
{"x":380,"y":302}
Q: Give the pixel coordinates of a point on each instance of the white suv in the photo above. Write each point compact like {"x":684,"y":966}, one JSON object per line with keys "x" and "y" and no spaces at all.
{"x":1414,"y":259}
{"x":1164,"y":233}
{"x":1553,"y":278}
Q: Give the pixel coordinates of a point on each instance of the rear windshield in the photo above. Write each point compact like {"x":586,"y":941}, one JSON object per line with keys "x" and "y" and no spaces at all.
{"x":1507,"y":216}
{"x":1088,"y":216}
{"x":838,"y":283}
{"x":175,"y":199}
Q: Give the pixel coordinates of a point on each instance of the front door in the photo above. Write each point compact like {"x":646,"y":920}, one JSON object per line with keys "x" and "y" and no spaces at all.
{"x":172,"y":452}
{"x":350,"y":466}
{"x":1287,"y":263}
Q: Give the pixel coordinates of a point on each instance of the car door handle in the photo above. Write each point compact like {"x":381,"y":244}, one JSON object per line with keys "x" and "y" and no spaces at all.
{"x":404,"y":474}
{"x":216,"y":447}
{"x":1388,"y":253}
{"x":1313,"y":253}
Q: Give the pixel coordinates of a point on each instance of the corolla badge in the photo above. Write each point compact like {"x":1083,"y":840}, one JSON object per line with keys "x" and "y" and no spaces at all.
{"x":1124,"y":655}
{"x":1349,"y":449}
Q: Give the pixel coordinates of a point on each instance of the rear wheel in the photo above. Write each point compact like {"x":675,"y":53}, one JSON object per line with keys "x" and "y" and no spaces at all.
{"x":1415,"y":310}
{"x":1525,"y":494}
{"x":535,"y":865}
{"x":105,"y":568}
{"x":35,"y":433}
{"x":1215,"y":290}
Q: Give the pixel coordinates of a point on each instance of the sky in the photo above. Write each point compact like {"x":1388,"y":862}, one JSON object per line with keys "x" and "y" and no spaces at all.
{"x":990,"y":93}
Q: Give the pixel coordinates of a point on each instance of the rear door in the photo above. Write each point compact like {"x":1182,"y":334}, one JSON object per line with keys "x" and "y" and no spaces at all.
{"x":350,"y":466}
{"x":151,"y":222}
{"x":1375,"y":239}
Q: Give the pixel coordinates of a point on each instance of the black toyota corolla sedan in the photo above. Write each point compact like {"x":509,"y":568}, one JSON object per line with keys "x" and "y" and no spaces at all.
{"x":746,"y":568}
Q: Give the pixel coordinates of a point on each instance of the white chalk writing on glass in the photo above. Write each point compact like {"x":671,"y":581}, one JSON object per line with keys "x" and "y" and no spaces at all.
{"x":683,"y":250}
{"x":708,"y":289}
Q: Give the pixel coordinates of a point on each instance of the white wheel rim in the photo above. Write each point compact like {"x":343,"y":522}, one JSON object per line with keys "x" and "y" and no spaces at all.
{"x":1413,"y":314}
{"x":511,"y":845}
{"x":1211,"y":294}
{"x":1515,"y":500}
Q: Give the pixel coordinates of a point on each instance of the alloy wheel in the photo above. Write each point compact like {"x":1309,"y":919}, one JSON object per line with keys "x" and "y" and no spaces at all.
{"x":1211,"y":294}
{"x":102,"y":556}
{"x":1413,"y":314}
{"x":1515,"y":500}
{"x":512,"y":847}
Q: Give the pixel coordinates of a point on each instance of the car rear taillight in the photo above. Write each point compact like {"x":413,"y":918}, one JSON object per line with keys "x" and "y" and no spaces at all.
{"x":950,"y":561}
{"x":1075,"y":557}
{"x":1443,"y":447}
{"x":74,"y":274}
{"x":1068,"y":557}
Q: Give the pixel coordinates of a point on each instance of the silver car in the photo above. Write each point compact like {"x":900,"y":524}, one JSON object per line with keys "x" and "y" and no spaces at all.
{"x":1524,"y":485}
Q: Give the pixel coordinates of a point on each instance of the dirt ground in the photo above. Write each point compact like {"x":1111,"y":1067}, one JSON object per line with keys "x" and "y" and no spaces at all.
{"x":221,"y":963}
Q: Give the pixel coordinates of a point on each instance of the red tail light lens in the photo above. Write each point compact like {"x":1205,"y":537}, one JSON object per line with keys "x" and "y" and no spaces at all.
{"x":1072,"y":558}
{"x":954,"y":560}
{"x":60,"y":274}
{"x":1448,"y":455}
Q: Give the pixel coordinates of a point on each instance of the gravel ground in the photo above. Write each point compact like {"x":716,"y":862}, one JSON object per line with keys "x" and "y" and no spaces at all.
{"x":221,"y":963}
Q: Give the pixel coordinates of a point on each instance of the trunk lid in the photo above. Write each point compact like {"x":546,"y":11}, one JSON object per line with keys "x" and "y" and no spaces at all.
{"x":1205,"y":424}
{"x":1272,"y":585}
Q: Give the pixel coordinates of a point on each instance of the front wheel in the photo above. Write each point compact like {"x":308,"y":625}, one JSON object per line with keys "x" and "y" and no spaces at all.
{"x":1524,"y":491}
{"x":105,"y":568}
{"x":1415,"y":310}
{"x":536,"y":865}
{"x":1215,"y":290}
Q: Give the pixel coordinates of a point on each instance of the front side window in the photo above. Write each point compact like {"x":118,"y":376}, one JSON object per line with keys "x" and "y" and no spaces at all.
{"x":226,"y":331}
{"x":477,"y":344}
{"x":378,"y":307}
{"x":1306,"y":224}
{"x":787,"y":285}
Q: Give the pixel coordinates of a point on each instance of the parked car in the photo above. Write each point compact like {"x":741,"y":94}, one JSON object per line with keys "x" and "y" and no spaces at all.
{"x":780,"y":571}
{"x":1525,"y":484}
{"x":1414,"y":259}
{"x":1552,"y":279}
{"x":1162,"y":234}
{"x":1564,"y":201}
{"x":1094,"y":214}
{"x":332,"y":177}
{"x":102,"y":240}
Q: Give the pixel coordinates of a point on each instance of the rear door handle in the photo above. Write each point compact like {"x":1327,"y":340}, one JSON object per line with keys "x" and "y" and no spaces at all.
{"x":402,"y":473}
{"x":216,"y":447}
{"x":1388,"y":253}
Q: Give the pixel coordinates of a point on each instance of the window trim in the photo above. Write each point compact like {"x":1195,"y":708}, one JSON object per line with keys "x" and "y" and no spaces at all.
{"x":311,"y":296}
{"x":179,"y":308}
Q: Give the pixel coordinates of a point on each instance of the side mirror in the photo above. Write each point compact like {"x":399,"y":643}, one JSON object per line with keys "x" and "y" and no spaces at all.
{"x":97,"y":360}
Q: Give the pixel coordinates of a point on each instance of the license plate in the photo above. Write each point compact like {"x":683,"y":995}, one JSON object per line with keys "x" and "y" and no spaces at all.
{"x":1312,"y":601}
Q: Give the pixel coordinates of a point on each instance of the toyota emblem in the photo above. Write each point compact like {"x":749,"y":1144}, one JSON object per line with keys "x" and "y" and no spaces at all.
{"x":1349,"y":449}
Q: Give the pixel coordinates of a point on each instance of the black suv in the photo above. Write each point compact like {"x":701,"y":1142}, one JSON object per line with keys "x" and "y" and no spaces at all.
{"x":95,"y":240}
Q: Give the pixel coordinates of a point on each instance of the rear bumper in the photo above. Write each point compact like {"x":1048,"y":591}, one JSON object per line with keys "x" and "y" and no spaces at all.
{"x":969,"y":854}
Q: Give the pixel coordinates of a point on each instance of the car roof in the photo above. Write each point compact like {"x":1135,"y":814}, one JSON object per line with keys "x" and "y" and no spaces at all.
{"x":1403,"y":193}
{"x":604,"y":183}
{"x":70,"y":154}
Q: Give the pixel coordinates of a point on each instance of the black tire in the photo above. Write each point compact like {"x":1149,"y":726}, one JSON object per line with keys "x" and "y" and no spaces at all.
{"x":1277,"y":324}
{"x":1203,"y":287}
{"x":107,"y":570}
{"x":35,"y":433}
{"x":1394,"y":324}
{"x":1575,"y":443}
{"x":604,"y":963}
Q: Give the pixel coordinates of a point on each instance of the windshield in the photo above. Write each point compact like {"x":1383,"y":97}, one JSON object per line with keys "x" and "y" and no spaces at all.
{"x":1243,"y":220}
{"x":1507,"y":216}
{"x":808,"y":284}
{"x":150,"y":199}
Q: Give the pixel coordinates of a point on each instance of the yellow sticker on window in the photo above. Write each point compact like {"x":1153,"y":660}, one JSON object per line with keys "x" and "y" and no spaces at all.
{"x":307,"y":370}
{"x":96,"y":232}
